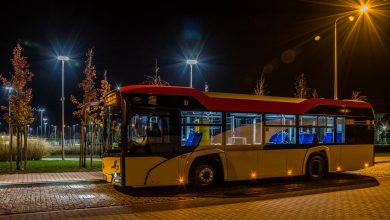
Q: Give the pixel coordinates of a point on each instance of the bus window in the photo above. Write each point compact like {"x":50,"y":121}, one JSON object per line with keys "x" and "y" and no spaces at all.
{"x":113,"y":126}
{"x":243,"y":129}
{"x":280,"y":129}
{"x":148,"y":133}
{"x":316,"y":129}
{"x":201,"y":128}
{"x":340,"y":127}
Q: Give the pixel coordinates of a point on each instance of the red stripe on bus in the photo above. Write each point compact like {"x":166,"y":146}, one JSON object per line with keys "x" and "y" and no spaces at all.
{"x":236,"y":104}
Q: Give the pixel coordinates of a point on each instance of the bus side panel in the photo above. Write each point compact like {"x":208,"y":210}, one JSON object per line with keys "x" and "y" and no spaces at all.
{"x":110,"y":165}
{"x":354,"y":157}
{"x":240,"y":163}
{"x":295,"y":161}
{"x":138,"y":167}
{"x":165,"y":174}
{"x":272,"y":163}
{"x":334,"y":160}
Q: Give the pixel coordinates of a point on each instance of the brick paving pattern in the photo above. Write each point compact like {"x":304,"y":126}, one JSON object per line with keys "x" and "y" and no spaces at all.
{"x":7,"y":179}
{"x":77,"y":201}
{"x":74,"y":196}
{"x":367,"y":203}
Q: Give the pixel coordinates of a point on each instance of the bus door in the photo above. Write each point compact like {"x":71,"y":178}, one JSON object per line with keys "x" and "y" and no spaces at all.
{"x":243,"y":140}
{"x":152,"y":157}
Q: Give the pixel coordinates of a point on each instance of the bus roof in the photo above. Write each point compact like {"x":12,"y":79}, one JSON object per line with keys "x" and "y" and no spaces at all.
{"x":244,"y":102}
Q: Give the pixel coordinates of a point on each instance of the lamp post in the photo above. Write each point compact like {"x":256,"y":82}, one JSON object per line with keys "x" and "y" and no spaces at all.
{"x":74,"y":135}
{"x":191,"y":62}
{"x":9,"y":88}
{"x":363,"y":9}
{"x":41,"y":110}
{"x":55,"y":134}
{"x":45,"y":129}
{"x":63,"y":59}
{"x":45,"y":123}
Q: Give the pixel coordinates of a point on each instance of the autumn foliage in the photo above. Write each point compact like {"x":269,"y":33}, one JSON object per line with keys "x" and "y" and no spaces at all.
{"x":20,"y":99}
{"x":90,"y":110}
{"x":90,"y":93}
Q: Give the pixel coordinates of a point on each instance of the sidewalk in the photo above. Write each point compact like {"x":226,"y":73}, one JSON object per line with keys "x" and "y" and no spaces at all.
{"x":382,"y":157}
{"x":41,"y":178}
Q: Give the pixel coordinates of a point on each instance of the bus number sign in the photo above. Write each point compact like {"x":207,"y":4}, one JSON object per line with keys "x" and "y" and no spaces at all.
{"x":112,"y":99}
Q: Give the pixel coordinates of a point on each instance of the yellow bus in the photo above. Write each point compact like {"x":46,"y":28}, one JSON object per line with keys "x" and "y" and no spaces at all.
{"x":169,"y":135}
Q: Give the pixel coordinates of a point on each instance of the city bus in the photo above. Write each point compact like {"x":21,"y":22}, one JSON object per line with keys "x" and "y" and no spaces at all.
{"x":170,"y":135}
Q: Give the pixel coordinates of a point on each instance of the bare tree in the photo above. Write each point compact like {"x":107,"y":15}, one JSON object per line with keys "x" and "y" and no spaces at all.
{"x":356,"y":96}
{"x":156,"y":79}
{"x":260,"y":88}
{"x":314,"y":93}
{"x":300,"y":87}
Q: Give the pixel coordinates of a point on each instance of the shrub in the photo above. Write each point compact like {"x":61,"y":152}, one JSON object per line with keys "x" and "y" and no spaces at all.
{"x":36,"y":148}
{"x":69,"y":150}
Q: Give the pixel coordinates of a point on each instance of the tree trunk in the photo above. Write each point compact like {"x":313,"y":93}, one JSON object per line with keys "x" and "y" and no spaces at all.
{"x":17,"y":149}
{"x":25,"y":147}
{"x":81,"y":145}
{"x":10,"y":146}
{"x":100,"y":141}
{"x":85,"y":147}
{"x":92,"y":143}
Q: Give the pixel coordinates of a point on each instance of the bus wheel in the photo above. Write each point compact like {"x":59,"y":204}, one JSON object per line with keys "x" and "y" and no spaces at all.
{"x":204,"y":176}
{"x":315,"y":168}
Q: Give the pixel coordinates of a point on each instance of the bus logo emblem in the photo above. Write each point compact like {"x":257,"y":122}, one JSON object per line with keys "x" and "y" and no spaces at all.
{"x":152,"y":100}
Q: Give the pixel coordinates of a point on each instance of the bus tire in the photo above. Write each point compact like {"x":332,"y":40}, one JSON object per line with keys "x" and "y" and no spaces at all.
{"x":204,"y":176}
{"x":315,"y":167}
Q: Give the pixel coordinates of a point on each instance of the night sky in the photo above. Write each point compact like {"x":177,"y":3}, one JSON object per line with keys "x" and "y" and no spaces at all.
{"x":233,"y":42}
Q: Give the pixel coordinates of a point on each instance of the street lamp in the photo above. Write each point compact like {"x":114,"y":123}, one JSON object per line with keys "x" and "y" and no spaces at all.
{"x":9,"y":88}
{"x":63,"y":59}
{"x":45,"y":122}
{"x":41,"y":110}
{"x":363,"y":9}
{"x":191,"y":62}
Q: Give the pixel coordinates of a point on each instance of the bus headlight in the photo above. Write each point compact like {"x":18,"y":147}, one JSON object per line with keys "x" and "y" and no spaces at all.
{"x":115,"y":175}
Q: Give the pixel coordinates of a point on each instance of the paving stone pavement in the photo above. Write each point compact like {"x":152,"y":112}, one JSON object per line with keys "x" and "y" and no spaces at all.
{"x":79,"y":201}
{"x":365,"y":203}
{"x":7,"y":179}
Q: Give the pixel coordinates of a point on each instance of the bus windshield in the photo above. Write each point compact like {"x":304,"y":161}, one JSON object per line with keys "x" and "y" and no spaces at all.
{"x":149,"y":132}
{"x":112,"y":129}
